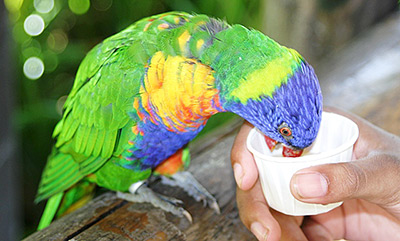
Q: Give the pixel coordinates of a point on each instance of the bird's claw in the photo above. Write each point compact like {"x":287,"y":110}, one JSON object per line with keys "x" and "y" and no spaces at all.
{"x":187,"y":216}
{"x":143,"y":194}
{"x":193,"y":188}
{"x":214,"y":205}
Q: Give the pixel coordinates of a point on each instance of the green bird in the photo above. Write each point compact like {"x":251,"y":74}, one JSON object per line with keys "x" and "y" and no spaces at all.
{"x":142,"y":94}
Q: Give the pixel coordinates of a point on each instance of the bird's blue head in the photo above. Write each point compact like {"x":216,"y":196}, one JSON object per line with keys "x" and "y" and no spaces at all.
{"x":292,"y":115}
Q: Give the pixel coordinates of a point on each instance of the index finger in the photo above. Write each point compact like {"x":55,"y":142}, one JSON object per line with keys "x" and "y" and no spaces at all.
{"x":244,"y":166}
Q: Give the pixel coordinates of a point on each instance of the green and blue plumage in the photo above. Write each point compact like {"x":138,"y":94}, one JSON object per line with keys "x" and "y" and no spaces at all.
{"x":123,"y":117}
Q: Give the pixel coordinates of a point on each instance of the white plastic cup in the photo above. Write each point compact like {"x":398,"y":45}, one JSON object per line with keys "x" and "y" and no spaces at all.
{"x":334,"y":144}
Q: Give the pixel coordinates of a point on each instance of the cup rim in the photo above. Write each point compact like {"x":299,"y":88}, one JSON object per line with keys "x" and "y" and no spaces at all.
{"x":344,"y":146}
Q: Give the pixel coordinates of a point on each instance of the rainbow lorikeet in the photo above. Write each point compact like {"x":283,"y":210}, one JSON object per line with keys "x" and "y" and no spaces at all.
{"x":142,"y":94}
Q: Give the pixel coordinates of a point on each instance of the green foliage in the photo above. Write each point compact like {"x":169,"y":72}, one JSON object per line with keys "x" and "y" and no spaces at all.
{"x":71,"y":28}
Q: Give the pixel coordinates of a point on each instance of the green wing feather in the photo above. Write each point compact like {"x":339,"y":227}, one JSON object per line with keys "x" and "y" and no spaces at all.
{"x":96,"y":113}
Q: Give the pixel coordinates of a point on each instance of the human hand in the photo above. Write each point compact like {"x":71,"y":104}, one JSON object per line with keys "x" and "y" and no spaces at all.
{"x":369,"y":186}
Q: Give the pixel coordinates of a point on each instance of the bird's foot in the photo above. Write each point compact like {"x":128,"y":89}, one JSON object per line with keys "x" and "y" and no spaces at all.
{"x":193,"y":188}
{"x":139,"y":192}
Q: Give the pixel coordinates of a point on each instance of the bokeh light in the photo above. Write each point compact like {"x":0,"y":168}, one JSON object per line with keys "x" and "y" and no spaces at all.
{"x":30,"y":48}
{"x":79,"y":6}
{"x":57,"y":40}
{"x":13,"y":5}
{"x":43,"y":6}
{"x":60,"y":104}
{"x":66,"y":21}
{"x":33,"y":68}
{"x":102,"y":5}
{"x":34,"y":25}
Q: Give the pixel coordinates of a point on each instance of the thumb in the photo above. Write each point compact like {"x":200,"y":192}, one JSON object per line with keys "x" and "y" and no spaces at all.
{"x":375,"y":178}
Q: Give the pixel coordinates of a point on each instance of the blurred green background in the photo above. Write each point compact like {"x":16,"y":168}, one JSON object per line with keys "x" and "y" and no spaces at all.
{"x":44,"y":41}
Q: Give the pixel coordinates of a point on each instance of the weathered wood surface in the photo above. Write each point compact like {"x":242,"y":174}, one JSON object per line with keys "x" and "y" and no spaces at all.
{"x":367,"y":84}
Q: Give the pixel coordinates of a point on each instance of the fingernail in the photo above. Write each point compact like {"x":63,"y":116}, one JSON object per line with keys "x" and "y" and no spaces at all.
{"x":259,"y":231}
{"x":238,"y":173}
{"x":310,"y":184}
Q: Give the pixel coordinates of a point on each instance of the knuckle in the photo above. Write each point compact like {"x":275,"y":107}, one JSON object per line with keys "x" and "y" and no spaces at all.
{"x":355,"y":178}
{"x":391,"y":190}
{"x":244,"y":216}
{"x":244,"y":220}
{"x":237,"y":154}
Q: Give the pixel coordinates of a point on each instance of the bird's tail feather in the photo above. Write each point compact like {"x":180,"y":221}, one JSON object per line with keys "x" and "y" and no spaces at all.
{"x":67,"y":202}
{"x":50,"y":210}
{"x":77,"y":196}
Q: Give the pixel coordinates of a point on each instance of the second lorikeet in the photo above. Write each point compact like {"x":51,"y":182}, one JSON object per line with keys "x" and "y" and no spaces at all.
{"x":142,"y":94}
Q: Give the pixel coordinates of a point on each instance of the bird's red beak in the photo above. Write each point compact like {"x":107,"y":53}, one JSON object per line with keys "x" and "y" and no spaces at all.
{"x":271,"y":143}
{"x":287,"y":151}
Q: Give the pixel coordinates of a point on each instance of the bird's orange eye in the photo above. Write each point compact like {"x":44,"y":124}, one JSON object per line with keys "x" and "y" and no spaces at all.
{"x":285,"y":131}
